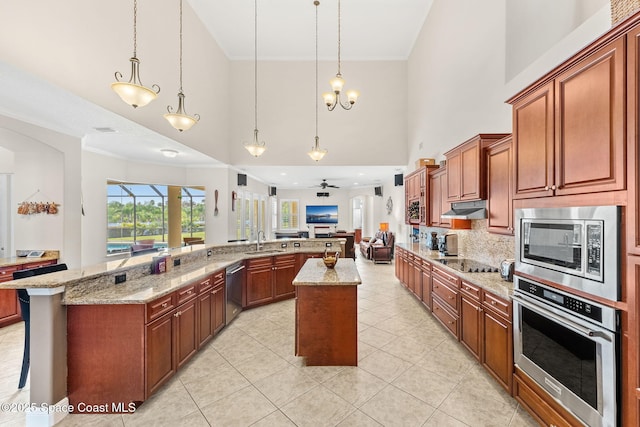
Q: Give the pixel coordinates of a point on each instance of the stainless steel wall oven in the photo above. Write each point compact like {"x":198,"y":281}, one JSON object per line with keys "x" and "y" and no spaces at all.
{"x":570,"y":347}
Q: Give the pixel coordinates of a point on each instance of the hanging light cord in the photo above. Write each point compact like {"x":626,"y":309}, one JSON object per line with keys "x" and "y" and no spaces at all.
{"x":255,"y":61}
{"x":316,"y":3}
{"x":135,"y":31}
{"x":339,"y":38}
{"x":180,"y":46}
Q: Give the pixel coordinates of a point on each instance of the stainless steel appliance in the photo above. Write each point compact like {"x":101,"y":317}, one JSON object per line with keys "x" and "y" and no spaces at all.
{"x":233,"y":288}
{"x":448,"y":244}
{"x":570,"y":347}
{"x":432,"y":241}
{"x":576,"y":247}
{"x":506,"y":269}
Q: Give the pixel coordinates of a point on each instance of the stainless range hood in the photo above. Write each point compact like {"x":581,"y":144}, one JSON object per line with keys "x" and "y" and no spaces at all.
{"x":467,"y":210}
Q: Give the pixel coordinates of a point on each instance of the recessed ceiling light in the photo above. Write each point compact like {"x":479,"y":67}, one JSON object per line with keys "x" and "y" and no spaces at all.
{"x":167,"y":152}
{"x":283,"y":173}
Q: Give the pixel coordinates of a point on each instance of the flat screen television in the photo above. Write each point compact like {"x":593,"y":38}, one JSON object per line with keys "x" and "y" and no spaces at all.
{"x":325,"y":214}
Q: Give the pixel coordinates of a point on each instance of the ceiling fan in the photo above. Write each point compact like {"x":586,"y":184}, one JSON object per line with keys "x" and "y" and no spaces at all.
{"x":324,"y":184}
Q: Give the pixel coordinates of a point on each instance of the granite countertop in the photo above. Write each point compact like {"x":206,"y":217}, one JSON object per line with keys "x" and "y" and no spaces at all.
{"x":315,"y":273}
{"x":96,"y":285}
{"x":19,"y":261}
{"x":489,"y":281}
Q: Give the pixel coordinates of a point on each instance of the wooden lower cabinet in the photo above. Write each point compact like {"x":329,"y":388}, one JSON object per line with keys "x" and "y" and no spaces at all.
{"x":269,"y":279}
{"x":327,"y":325}
{"x":124,"y":352}
{"x":425,"y":270}
{"x":497,"y":331}
{"x":471,"y":325}
{"x":544,"y":410}
{"x":9,"y":305}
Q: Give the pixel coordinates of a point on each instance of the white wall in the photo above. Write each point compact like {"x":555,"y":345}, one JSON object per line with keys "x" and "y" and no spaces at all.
{"x":286,"y":112}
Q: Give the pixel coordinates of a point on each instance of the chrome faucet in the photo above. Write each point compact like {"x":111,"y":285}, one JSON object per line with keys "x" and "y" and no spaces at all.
{"x":264,"y":237}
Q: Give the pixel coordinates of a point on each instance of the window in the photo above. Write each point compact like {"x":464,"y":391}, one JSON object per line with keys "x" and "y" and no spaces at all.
{"x":289,"y":214}
{"x":138,"y":213}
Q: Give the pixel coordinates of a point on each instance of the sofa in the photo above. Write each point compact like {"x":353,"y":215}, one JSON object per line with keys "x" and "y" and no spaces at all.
{"x":378,"y":248}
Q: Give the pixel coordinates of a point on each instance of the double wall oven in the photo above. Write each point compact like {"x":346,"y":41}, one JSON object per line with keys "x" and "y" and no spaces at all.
{"x":567,"y":342}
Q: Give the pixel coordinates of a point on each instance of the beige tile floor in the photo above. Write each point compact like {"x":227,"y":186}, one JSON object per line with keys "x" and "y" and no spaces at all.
{"x":410,"y":373}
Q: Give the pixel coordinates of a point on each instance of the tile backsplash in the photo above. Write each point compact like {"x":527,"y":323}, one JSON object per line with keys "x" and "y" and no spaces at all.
{"x":477,"y":243}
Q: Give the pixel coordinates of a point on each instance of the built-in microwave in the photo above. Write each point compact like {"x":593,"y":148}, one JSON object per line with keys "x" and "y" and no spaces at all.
{"x":577,"y":247}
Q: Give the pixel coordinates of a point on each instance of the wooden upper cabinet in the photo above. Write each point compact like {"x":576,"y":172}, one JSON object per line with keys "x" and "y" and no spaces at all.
{"x":417,"y":195}
{"x":569,"y":133}
{"x":500,"y":187}
{"x":590,"y":132}
{"x":438,"y":198}
{"x":466,"y":178}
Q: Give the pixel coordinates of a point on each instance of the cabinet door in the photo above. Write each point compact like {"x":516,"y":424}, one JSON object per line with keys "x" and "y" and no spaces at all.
{"x":259,"y":281}
{"x":160,"y":357}
{"x":205,"y":317}
{"x":454,"y":173}
{"x":590,"y":123}
{"x":444,"y":204}
{"x":434,"y":199}
{"x":186,"y":343}
{"x":500,"y":188}
{"x":9,"y":307}
{"x":471,"y":325}
{"x":417,"y":277}
{"x":470,"y":168}
{"x":497,"y":352}
{"x":283,"y":274}
{"x":219,"y":306}
{"x":533,"y":129}
{"x":426,"y":284}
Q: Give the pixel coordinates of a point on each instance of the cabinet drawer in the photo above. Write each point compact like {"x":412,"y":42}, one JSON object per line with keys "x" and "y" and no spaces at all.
{"x":218,"y":277}
{"x":497,"y":304}
{"x":470,"y":290}
{"x":6,"y":273}
{"x":285,"y":260}
{"x":186,"y":293}
{"x":426,"y":265}
{"x":160,"y":306}
{"x":205,"y":285}
{"x":449,"y":296}
{"x":450,"y":321}
{"x":450,"y":278}
{"x":259,"y":262}
{"x":39,"y":264}
{"x":542,"y":411}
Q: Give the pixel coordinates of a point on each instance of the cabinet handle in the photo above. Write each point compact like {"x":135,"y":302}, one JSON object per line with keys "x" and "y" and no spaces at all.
{"x":189,"y":292}
{"x":164,"y":305}
{"x":553,"y":187}
{"x":450,"y":297}
{"x":450,"y":322}
{"x":493,"y":303}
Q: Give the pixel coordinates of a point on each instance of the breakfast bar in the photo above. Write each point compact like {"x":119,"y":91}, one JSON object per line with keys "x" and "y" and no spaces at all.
{"x":326,"y":313}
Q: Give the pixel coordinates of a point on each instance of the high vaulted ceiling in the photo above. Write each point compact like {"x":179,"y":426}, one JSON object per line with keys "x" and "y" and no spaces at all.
{"x":370,"y":30}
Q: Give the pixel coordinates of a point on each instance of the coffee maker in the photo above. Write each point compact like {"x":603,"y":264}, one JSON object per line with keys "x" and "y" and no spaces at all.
{"x":432,"y":241}
{"x":448,"y":244}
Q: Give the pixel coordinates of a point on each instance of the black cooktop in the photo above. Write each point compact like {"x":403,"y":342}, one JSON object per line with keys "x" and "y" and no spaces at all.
{"x":467,"y":265}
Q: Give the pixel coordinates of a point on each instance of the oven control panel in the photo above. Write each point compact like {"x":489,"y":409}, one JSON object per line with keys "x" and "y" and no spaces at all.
{"x":570,"y":303}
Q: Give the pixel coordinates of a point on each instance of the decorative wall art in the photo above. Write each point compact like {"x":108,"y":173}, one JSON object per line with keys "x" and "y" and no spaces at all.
{"x":30,"y":206}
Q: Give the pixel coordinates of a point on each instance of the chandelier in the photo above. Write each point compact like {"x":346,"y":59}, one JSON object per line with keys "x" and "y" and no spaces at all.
{"x":133,"y":92}
{"x":255,"y":148}
{"x":180,"y":119}
{"x":331,"y":99}
{"x":316,"y":152}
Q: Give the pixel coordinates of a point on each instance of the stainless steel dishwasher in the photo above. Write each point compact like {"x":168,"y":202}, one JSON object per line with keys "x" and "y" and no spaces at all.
{"x":235,"y":278}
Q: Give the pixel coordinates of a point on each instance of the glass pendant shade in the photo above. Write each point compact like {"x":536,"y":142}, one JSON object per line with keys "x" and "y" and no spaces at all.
{"x":180,"y":119}
{"x":352,"y":96}
{"x":133,"y":92}
{"x":316,"y":152}
{"x":255,"y":148}
{"x":329,"y":98}
{"x":337,"y":83}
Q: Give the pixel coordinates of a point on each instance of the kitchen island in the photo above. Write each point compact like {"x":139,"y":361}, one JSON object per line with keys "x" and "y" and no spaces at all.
{"x":326,"y":313}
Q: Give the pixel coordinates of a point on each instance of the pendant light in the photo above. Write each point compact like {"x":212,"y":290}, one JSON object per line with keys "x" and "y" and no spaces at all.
{"x":133,"y":92}
{"x":331,"y":99}
{"x":180,"y":119}
{"x":255,"y":148}
{"x":316,"y":152}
